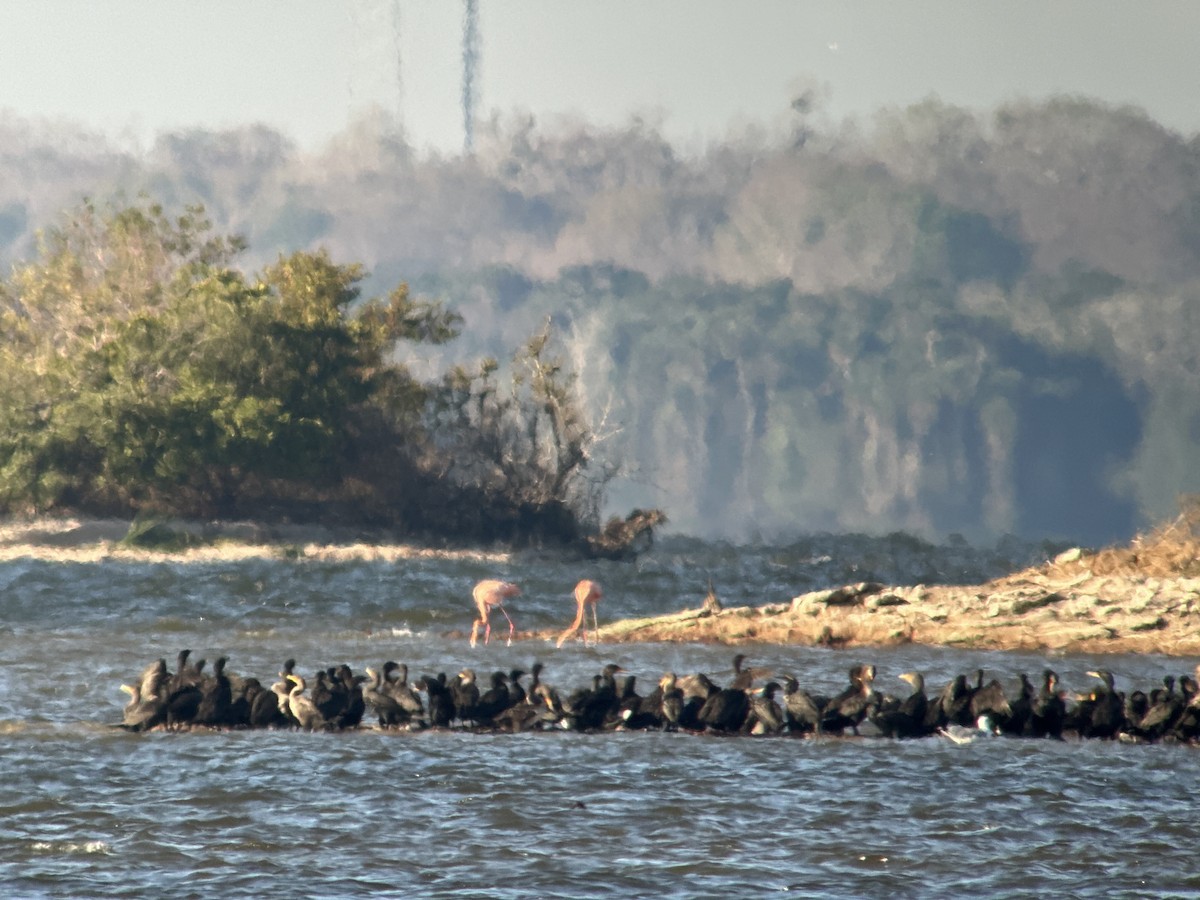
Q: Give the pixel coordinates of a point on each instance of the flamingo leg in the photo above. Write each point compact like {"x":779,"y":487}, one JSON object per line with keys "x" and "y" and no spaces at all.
{"x":511,"y":627}
{"x":595,"y":625}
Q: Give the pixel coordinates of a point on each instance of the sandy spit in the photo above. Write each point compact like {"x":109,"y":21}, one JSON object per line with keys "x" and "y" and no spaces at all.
{"x":1065,"y":612}
{"x":94,"y":540}
{"x":1075,"y":603}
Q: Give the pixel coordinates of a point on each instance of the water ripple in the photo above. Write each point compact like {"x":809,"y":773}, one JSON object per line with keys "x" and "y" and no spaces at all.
{"x":93,"y":811}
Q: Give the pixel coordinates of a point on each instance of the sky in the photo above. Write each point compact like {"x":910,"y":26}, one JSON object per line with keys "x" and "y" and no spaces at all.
{"x":700,"y":69}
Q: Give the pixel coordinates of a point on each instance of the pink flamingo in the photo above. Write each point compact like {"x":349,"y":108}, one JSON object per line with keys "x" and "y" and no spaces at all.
{"x":587,"y":593}
{"x":491,"y":593}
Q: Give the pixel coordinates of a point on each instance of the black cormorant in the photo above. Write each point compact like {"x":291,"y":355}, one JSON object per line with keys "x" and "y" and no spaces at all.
{"x":909,"y":718}
{"x":991,"y":701}
{"x":386,"y":707}
{"x":1021,"y":708}
{"x":850,"y":707}
{"x":495,"y":700}
{"x":1101,"y":714}
{"x":592,"y":709}
{"x":670,"y":702}
{"x":440,"y":703}
{"x":464,"y":693}
{"x":765,"y":716}
{"x":726,"y":710}
{"x":216,"y":696}
{"x":801,"y":710}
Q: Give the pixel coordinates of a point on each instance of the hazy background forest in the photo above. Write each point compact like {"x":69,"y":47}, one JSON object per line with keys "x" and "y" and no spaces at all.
{"x":938,"y":320}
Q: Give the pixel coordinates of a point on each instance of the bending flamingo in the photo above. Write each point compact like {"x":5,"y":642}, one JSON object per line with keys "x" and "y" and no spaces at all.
{"x":587,"y":593}
{"x":491,"y":593}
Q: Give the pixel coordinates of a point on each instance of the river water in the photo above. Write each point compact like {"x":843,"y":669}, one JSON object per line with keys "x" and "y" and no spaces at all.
{"x":91,"y":811}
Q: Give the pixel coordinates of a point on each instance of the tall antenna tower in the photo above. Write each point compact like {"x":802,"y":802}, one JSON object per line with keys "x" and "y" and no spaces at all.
{"x":470,"y":90}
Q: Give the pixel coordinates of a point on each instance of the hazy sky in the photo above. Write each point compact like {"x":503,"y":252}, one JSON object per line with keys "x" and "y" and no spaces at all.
{"x":699,"y":67}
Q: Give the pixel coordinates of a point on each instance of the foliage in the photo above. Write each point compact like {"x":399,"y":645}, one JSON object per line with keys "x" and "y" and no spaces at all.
{"x":143,"y":373}
{"x":155,"y":533}
{"x":939,"y":319}
{"x":525,"y":442}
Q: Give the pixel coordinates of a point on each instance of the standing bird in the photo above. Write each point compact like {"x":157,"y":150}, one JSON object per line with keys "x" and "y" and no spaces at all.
{"x":495,"y":700}
{"x":379,"y":698}
{"x":726,"y":709}
{"x":587,"y":593}
{"x":910,"y":718}
{"x":672,"y":702}
{"x":801,"y":710}
{"x":491,"y":593}
{"x":143,"y":712}
{"x":590,"y":710}
{"x":464,"y":693}
{"x":851,"y":706}
{"x":441,"y":703}
{"x":1049,"y":712}
{"x":952,"y":706}
{"x":302,"y":708}
{"x":765,"y":716}
{"x":216,"y":697}
{"x":1107,"y":709}
{"x":154,"y":680}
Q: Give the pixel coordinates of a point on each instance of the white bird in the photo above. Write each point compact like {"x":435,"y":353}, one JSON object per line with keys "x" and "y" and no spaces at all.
{"x":965,"y":734}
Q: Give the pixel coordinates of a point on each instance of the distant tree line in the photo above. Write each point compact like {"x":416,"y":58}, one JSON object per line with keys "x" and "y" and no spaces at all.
{"x":935,"y":319}
{"x":142,"y":372}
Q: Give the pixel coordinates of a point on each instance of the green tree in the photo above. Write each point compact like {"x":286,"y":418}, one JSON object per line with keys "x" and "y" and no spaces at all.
{"x":142,"y":371}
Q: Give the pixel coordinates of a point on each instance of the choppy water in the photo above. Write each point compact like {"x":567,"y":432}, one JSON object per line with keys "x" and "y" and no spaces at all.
{"x":89,"y":811}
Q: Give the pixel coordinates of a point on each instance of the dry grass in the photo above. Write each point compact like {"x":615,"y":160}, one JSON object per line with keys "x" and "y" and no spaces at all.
{"x":1172,"y":548}
{"x":1142,"y":598}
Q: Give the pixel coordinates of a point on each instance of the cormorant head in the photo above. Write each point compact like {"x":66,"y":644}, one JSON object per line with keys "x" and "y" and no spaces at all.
{"x":916,"y":679}
{"x":1104,"y":675}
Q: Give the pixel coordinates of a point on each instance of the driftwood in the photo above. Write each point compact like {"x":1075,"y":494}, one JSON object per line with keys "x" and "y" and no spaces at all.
{"x":626,"y":538}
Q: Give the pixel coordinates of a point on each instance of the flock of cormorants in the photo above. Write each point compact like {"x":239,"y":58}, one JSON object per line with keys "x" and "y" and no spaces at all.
{"x":754,"y":701}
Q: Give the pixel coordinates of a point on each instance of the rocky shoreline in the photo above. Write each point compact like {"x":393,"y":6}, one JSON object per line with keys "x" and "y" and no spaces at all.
{"x":1084,"y":613}
{"x":1141,"y":598}
{"x":1144,"y":598}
